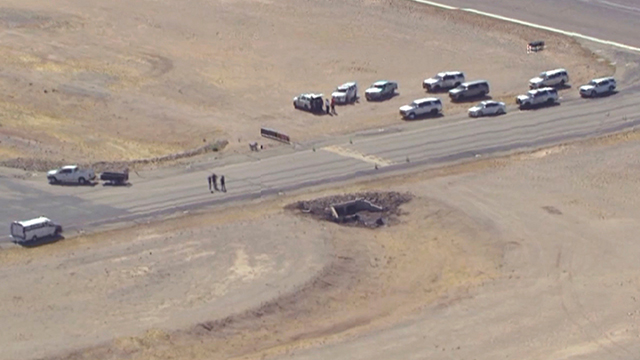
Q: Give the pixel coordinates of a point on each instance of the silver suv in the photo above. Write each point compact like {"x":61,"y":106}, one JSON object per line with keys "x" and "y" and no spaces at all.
{"x":444,"y":80}
{"x":550,"y":78}
{"x":597,"y":87}
{"x":421,"y":107}
{"x":537,"y":97}
{"x":469,"y":90}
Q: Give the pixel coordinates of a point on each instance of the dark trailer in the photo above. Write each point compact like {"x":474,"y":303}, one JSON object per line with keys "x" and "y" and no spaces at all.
{"x":115,"y":178}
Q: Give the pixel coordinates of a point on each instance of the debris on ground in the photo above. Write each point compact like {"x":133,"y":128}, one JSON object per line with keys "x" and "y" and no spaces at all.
{"x":365,"y":209}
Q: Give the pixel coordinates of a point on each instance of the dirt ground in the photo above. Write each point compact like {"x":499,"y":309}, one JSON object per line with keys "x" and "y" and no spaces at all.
{"x":554,"y":229}
{"x":90,"y":81}
{"x":79,"y":292}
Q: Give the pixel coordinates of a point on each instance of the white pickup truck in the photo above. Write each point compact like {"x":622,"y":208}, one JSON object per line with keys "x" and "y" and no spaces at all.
{"x":71,"y":174}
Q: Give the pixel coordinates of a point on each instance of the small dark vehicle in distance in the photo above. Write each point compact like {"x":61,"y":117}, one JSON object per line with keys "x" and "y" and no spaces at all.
{"x":115,"y":178}
{"x":535,"y":46}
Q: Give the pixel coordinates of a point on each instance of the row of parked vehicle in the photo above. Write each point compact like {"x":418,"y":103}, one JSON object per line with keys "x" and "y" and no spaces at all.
{"x":543,"y":91}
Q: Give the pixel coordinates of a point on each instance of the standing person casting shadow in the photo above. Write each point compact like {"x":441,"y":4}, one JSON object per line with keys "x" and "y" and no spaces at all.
{"x":209,"y":178}
{"x":214,"y":180}
{"x":223,"y":186}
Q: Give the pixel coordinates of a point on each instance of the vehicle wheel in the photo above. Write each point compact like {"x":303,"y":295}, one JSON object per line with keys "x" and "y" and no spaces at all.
{"x":34,"y":238}
{"x":562,"y":83}
{"x":434,"y":112}
{"x":53,"y":180}
{"x":592,"y":93}
{"x":435,"y":88}
{"x":611,"y":88}
{"x":82,"y":181}
{"x":412,"y":116}
{"x":500,"y":112}
{"x":295,"y":106}
{"x":549,"y":101}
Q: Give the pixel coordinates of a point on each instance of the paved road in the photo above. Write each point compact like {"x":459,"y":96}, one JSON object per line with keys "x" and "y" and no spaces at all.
{"x":613,"y":20}
{"x":427,"y":142}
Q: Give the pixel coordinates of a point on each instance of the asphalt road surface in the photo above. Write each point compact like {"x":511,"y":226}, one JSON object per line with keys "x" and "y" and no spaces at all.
{"x":612,"y":20}
{"x":426,"y":142}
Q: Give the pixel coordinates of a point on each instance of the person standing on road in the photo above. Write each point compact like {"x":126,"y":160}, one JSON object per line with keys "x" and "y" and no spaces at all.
{"x":209,"y":178}
{"x":223,"y":186}
{"x":214,"y":180}
{"x":326,"y":106}
{"x":333,"y":106}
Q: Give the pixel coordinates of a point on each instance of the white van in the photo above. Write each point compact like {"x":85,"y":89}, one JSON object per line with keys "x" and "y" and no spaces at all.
{"x":34,"y":229}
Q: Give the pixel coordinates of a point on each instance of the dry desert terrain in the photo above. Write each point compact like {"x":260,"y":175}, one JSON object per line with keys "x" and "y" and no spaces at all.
{"x":533,"y":254}
{"x":85,"y":81}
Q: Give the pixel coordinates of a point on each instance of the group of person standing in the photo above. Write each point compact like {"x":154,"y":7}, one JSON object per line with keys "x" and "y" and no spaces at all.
{"x":213,"y":183}
{"x":330,"y":106}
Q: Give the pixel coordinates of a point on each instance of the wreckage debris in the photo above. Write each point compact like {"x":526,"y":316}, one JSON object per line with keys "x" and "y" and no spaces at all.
{"x":367,"y":209}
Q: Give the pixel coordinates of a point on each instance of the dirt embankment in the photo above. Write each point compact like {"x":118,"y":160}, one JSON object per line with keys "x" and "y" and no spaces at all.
{"x":373,"y":275}
{"x":155,"y":78}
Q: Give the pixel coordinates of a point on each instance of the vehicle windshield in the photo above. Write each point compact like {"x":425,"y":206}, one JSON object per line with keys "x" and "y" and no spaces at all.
{"x":414,"y":104}
{"x":592,"y":82}
{"x":379,"y":86}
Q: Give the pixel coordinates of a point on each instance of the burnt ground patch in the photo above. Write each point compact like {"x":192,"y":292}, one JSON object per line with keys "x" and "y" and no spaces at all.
{"x":355,"y":209}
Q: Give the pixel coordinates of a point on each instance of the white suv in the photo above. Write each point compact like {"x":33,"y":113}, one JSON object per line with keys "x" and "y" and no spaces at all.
{"x":444,"y":80}
{"x":597,"y":87}
{"x":309,"y":102}
{"x":557,"y":77}
{"x":345,"y":93}
{"x":421,"y":107}
{"x":537,"y":97}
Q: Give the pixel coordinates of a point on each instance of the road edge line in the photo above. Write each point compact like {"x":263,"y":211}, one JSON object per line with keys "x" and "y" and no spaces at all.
{"x":532,"y":25}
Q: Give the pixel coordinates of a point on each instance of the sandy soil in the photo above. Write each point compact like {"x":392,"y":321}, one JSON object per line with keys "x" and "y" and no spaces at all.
{"x":122,"y":81}
{"x":87,"y":290}
{"x":483,"y":249}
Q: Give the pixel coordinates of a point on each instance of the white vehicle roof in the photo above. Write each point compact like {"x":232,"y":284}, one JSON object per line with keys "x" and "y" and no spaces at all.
{"x":534,"y":91}
{"x":38,"y":220}
{"x":603,"y":79}
{"x":420,"y":101}
{"x":486,"y":102}
{"x":71,"y":167}
{"x":445,"y":73}
{"x":549,"y":72}
{"x":311,"y":95}
{"x":381,"y":82}
{"x":347,"y":85}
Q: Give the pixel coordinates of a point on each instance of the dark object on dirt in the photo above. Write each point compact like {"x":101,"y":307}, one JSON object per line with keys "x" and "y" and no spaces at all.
{"x":368,"y":209}
{"x":352,"y":207}
{"x":535,"y":46}
{"x":115,"y":178}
